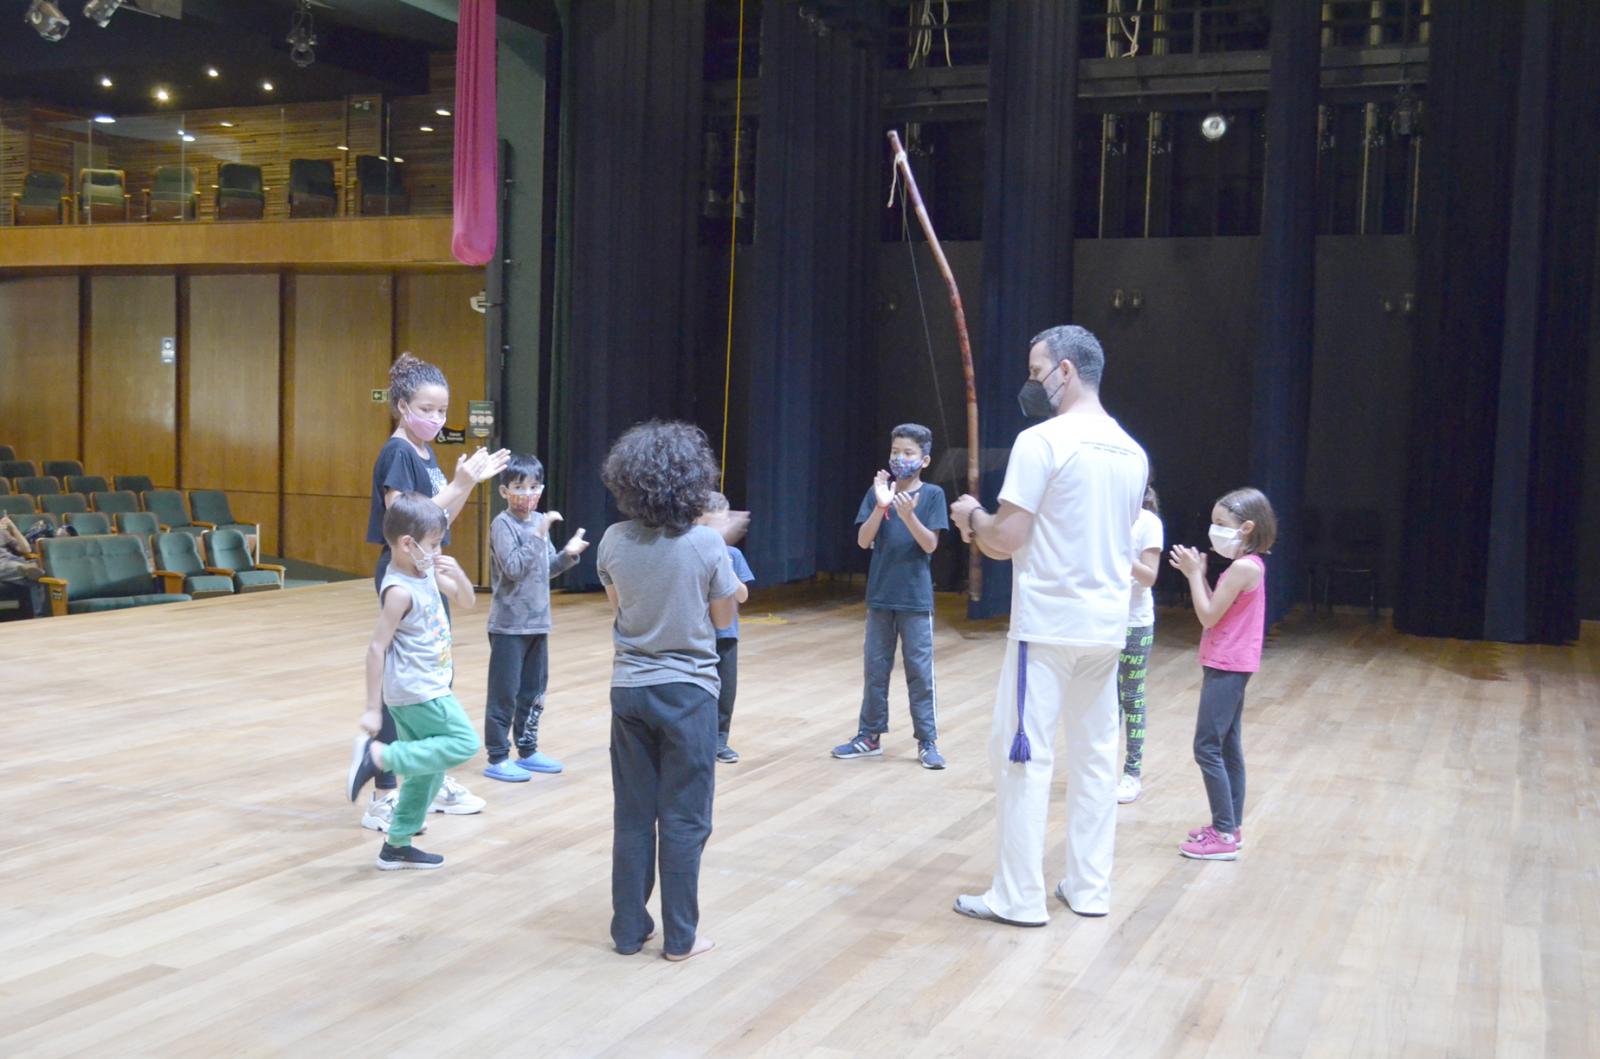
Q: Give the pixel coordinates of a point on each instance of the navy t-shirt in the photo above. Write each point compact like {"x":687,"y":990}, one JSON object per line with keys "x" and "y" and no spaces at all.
{"x":399,"y":467}
{"x":901,"y":575}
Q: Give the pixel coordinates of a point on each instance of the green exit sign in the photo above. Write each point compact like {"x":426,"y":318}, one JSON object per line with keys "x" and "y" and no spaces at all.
{"x":379,"y":396}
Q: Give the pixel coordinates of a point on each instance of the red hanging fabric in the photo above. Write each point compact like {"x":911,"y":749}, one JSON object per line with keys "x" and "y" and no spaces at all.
{"x":477,"y":158}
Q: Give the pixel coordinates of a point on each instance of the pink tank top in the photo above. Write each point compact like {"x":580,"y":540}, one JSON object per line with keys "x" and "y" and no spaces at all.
{"x":1234,"y":643}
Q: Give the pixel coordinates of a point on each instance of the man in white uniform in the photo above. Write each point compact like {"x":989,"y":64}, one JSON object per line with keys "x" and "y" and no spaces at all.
{"x":1073,"y":488}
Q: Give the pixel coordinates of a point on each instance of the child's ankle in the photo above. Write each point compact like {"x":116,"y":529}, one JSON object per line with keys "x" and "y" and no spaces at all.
{"x":375,"y":752}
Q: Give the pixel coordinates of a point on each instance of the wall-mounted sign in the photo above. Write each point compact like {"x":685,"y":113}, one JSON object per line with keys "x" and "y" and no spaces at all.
{"x":452,"y":437}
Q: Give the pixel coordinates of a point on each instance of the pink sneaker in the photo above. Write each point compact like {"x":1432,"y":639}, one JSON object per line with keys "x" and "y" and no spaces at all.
{"x":1210,"y":846}
{"x":1238,"y":836}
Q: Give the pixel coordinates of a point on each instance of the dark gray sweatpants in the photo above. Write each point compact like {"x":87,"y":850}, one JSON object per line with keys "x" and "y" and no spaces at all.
{"x":663,"y":776}
{"x":1219,"y":745}
{"x":913,"y":631}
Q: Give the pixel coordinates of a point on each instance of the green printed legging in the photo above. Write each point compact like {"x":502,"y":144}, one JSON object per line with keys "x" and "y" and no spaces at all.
{"x":434,"y":736}
{"x":1132,"y":668}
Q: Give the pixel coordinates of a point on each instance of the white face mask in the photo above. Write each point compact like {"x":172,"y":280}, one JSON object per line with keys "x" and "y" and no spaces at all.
{"x":423,"y":559}
{"x":1225,"y":541}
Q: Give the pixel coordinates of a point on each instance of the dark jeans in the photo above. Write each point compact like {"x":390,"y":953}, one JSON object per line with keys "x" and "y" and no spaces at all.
{"x":519,"y":668}
{"x":663,"y":776}
{"x":728,"y":672}
{"x":913,"y":631}
{"x":385,"y":781}
{"x":1219,"y":745}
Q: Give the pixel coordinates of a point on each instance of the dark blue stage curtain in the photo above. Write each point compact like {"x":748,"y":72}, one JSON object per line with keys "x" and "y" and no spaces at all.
{"x":1506,"y":280}
{"x":1280,"y":409}
{"x":809,"y":453}
{"x":628,"y":304}
{"x":1027,"y":225}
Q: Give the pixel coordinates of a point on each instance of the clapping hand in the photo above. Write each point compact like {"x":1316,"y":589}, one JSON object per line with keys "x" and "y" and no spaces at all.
{"x":883,"y":488}
{"x":482,"y":465}
{"x":1189,"y":560}
{"x":547,"y":523}
{"x":576,"y":544}
{"x":905,"y":505}
{"x":733,"y":525}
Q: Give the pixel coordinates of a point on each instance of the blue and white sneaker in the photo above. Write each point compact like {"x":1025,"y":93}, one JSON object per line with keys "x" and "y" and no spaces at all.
{"x":539,"y":762}
{"x":506,"y":772}
{"x":860,"y":746}
{"x":928,"y":754}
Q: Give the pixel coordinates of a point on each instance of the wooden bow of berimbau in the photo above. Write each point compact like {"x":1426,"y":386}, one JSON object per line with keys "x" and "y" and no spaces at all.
{"x":903,"y":167}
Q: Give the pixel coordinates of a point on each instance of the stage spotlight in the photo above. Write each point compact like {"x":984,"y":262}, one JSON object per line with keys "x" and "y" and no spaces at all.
{"x":1214,"y":126}
{"x":47,"y":20}
{"x":100,"y":11}
{"x":302,"y":38}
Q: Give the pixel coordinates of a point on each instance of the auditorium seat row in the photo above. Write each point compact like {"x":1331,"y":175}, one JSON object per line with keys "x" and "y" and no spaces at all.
{"x":97,"y":573}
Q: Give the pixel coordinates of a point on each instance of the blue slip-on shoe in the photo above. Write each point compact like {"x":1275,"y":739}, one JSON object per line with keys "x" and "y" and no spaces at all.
{"x":539,"y":762}
{"x":506,"y":772}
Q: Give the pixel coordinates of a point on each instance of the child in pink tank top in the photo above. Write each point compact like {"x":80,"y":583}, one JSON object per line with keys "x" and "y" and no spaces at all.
{"x":1234,"y":615}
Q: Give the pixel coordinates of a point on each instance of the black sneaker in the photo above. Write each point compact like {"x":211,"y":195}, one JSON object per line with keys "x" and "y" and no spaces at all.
{"x":727,"y":754}
{"x":361,"y":767}
{"x":401,"y":858}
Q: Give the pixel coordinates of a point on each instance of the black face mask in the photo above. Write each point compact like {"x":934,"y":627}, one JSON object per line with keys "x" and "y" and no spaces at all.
{"x":1035,"y":401}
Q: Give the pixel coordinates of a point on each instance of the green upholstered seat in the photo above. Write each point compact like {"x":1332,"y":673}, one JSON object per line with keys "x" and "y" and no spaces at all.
{"x":229,"y":553}
{"x":134,"y":483}
{"x":86,"y":484}
{"x":62,"y":468}
{"x":17,"y":505}
{"x":211,"y":509}
{"x":43,"y":199}
{"x":179,"y":564}
{"x":168,"y":507}
{"x":312,"y":189}
{"x":63,"y":503}
{"x":100,"y":573}
{"x":112,"y":502}
{"x":172,"y":195}
{"x":17,"y":469}
{"x":89,"y":523}
{"x":29,"y":519}
{"x":239,"y":191}
{"x":38,"y":485}
{"x":137,"y":523}
{"x":102,"y":195}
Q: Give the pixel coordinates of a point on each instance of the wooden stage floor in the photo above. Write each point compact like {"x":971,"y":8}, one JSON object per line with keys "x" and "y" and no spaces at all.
{"x":182,"y":877}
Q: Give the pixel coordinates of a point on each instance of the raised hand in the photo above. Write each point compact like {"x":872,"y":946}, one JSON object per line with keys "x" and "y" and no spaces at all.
{"x":883,"y":488}
{"x":445,"y":566}
{"x":1189,"y":561}
{"x":576,"y":544}
{"x":482,"y":465}
{"x":544,"y":527}
{"x":905,"y":505}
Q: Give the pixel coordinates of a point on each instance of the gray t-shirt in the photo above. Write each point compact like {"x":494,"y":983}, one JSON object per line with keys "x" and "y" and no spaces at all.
{"x":521,"y":566}
{"x":418,"y":666}
{"x":665,"y":583}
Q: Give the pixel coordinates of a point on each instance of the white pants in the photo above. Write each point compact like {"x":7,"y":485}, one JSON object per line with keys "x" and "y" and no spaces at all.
{"x":1077,"y":685}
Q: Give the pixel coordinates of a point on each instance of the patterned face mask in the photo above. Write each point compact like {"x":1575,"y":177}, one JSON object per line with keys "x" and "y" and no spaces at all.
{"x":904,"y":466}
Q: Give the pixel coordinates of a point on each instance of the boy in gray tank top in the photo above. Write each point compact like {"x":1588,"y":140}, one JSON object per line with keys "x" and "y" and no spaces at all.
{"x":409,"y":669}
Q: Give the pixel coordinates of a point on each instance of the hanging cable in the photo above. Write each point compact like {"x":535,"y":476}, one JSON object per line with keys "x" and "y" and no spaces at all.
{"x":733,"y":249}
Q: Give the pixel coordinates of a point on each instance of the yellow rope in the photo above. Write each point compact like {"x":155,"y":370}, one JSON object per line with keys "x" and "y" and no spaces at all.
{"x":733,"y":246}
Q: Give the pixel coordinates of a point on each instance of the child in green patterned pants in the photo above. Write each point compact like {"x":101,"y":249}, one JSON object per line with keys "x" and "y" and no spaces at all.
{"x":409,"y":667}
{"x":1134,"y":665}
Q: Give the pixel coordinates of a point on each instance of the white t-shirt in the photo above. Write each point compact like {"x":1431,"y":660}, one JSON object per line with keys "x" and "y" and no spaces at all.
{"x":1147,"y":534}
{"x":1083,"y":479}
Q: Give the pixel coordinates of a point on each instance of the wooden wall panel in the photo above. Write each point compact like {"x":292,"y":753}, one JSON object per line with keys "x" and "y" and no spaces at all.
{"x":129,"y":396}
{"x":39,"y":366}
{"x":13,"y":152}
{"x":434,"y":319}
{"x":337,"y":349}
{"x":230,"y":393}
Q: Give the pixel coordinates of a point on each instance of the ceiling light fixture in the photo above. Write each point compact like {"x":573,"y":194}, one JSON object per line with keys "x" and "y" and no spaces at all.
{"x":106,"y":82}
{"x":162,"y":95}
{"x":187,"y":138}
{"x":212,"y":71}
{"x":226,"y":124}
{"x":341,"y":147}
{"x":442,"y":112}
{"x":47,"y":20}
{"x":424,"y":128}
{"x":104,"y":119}
{"x":100,"y":11}
{"x":1213,"y":126}
{"x":266,"y":86}
{"x":399,"y":160}
{"x":302,"y":38}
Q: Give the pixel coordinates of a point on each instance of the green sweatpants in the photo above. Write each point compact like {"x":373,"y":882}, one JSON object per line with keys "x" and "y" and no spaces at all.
{"x":434,"y":736}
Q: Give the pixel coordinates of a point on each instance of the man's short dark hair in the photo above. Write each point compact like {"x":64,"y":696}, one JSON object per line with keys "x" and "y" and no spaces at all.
{"x":413,"y":515}
{"x":914,"y":432}
{"x":1078,"y":345}
{"x":520,"y":467}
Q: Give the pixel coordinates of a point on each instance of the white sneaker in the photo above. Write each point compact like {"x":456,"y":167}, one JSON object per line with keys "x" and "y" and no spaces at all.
{"x":456,"y":800}
{"x":1128,"y":788}
{"x":380,"y":814}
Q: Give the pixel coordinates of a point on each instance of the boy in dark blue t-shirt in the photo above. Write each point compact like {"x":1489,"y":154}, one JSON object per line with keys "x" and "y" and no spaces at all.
{"x":899,"y":522}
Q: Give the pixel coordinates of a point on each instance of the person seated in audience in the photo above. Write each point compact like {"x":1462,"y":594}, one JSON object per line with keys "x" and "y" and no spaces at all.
{"x":19,"y":574}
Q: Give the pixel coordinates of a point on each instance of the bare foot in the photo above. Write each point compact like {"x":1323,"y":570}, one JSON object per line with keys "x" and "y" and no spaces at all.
{"x":700,"y":945}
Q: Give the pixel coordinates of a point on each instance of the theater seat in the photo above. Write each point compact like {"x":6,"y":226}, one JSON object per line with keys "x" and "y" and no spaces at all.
{"x":168,"y":507}
{"x":17,"y":504}
{"x":17,"y":469}
{"x":230,"y":556}
{"x":181,"y":569}
{"x":113,"y":503}
{"x":381,"y":187}
{"x":62,"y":468}
{"x":134,"y":483}
{"x":89,"y":523}
{"x":87,"y":484}
{"x":87,"y":574}
{"x":38,"y":485}
{"x":63,"y":503}
{"x":172,"y":195}
{"x":102,"y":196}
{"x":312,"y":191}
{"x":43,"y":200}
{"x":240,"y":195}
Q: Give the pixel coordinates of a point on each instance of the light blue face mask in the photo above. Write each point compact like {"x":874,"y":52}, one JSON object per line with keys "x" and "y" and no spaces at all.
{"x":904,"y":466}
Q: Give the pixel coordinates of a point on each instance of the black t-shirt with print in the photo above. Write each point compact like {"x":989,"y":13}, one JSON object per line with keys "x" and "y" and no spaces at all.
{"x":399,"y":467}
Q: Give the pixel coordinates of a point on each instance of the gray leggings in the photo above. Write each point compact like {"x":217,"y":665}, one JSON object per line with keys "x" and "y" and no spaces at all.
{"x":1219,"y":745}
